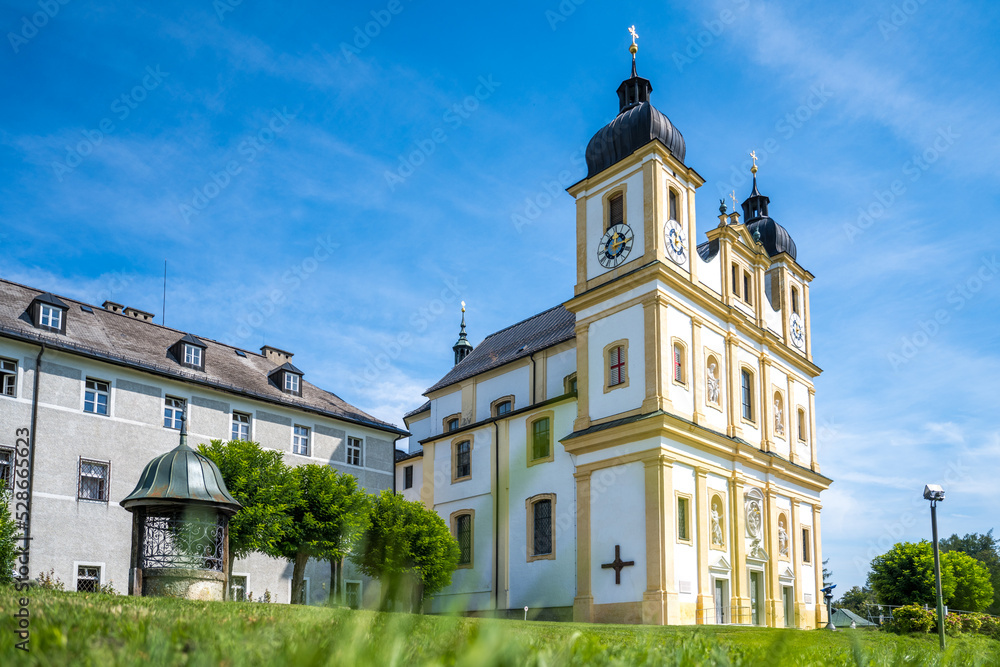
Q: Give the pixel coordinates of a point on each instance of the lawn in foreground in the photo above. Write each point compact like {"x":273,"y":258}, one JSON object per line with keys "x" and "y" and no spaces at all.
{"x":91,"y":629}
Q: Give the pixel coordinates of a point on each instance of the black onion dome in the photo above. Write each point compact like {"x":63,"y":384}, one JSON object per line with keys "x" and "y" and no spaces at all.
{"x":638,"y":122}
{"x":773,"y":236}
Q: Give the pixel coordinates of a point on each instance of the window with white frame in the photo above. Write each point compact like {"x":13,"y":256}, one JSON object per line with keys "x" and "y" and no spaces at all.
{"x":679,"y":363}
{"x":94,"y":480}
{"x":88,"y":578}
{"x":300,"y":440}
{"x":96,"y":396}
{"x":50,"y":316}
{"x":616,"y":365}
{"x":238,"y":587}
{"x":192,"y":354}
{"x":408,"y":477}
{"x":241,"y":426}
{"x":354,"y":451}
{"x":173,"y":412}
{"x":746,"y":394}
{"x":291,"y":383}
{"x":8,"y":377}
{"x":6,"y":466}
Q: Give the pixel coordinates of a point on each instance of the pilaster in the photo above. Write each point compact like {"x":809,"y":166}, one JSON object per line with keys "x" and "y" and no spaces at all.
{"x":706,"y":600}
{"x":581,"y":244}
{"x":813,"y":445}
{"x":818,"y":568}
{"x":733,"y":430}
{"x":697,"y":371}
{"x":740,"y":592}
{"x":796,"y":549}
{"x":652,"y":207}
{"x":583,"y":603}
{"x":791,"y":408}
{"x":427,"y":478}
{"x":766,"y":405}
{"x":775,"y":612}
{"x":659,"y":601}
{"x":806,"y":319}
{"x":583,"y":383}
{"x":692,"y":234}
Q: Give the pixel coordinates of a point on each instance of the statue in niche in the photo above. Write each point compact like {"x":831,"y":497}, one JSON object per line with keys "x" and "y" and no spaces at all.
{"x":754,"y":517}
{"x":713,"y":384}
{"x":716,"y":527}
{"x":782,"y":538}
{"x":779,"y":423}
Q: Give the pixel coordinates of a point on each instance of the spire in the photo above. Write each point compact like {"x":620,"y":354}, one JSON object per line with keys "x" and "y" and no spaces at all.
{"x":462,"y":347}
{"x":755,"y":206}
{"x":634,"y":90}
{"x":184,"y":430}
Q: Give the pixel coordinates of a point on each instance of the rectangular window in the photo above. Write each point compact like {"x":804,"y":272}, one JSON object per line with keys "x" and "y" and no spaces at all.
{"x":795,"y":300}
{"x":292,"y":383}
{"x":678,"y":363}
{"x":616,"y":366}
{"x":241,"y":426}
{"x":463,"y":533}
{"x":192,"y":355}
{"x":6,"y":467}
{"x":354,"y":447}
{"x":802,"y":425}
{"x":408,"y":477}
{"x":542,"y":539}
{"x":88,"y":579}
{"x":300,"y":440}
{"x":674,"y":213}
{"x":238,"y":588}
{"x":463,"y":459}
{"x":616,"y":210}
{"x":540,"y":438}
{"x":683,"y":518}
{"x":746,"y":394}
{"x":50,"y":316}
{"x":747,"y":292}
{"x":736,"y":281}
{"x":93,"y":483}
{"x":173,"y":412}
{"x":95,"y":397}
{"x":805,"y":546}
{"x":8,"y":377}
{"x":453,"y":424}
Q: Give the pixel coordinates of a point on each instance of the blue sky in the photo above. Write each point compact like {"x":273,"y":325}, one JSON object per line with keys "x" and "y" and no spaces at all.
{"x":337,"y":195}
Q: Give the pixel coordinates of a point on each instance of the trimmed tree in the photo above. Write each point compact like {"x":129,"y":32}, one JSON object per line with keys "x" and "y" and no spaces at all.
{"x":984,"y":548}
{"x":973,"y":590}
{"x":261,"y":482}
{"x":329,"y":512}
{"x":408,"y":548}
{"x":905,"y":575}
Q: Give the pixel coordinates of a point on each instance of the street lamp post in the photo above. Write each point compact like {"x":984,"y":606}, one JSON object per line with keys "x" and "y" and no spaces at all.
{"x":935,"y":493}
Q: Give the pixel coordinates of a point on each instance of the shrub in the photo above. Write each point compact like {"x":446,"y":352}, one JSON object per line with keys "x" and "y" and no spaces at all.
{"x":990,"y":627}
{"x":952,"y":624}
{"x":911,"y":618}
{"x":972,"y":622}
{"x":50,"y":581}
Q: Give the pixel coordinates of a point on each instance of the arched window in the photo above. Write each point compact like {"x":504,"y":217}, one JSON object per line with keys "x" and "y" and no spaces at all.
{"x":541,"y":538}
{"x":746,"y":394}
{"x":712,"y":384}
{"x":616,"y":210}
{"x":502,"y":406}
{"x":461,"y":460}
{"x":463,"y":529}
{"x":616,"y":365}
{"x":674,"y":206}
{"x":680,"y":374}
{"x":539,"y":438}
{"x":802,"y":424}
{"x":795,"y":300}
{"x":569,"y":384}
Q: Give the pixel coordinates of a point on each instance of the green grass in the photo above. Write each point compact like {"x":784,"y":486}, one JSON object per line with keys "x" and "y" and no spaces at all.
{"x":91,"y":629}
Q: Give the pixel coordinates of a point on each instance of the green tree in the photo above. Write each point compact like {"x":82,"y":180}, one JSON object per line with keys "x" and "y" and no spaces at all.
{"x":408,"y":548}
{"x":973,"y":590}
{"x":8,"y":537}
{"x":261,"y":482}
{"x":857,"y":600}
{"x":905,"y":575}
{"x":329,"y":512}
{"x":984,"y":548}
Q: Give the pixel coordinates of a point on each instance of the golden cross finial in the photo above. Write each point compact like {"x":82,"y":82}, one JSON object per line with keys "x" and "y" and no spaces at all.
{"x":732,"y":196}
{"x":753,"y":154}
{"x":463,"y":306}
{"x":632,"y":32}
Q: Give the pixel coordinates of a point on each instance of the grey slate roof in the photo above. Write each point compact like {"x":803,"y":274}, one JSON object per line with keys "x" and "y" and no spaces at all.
{"x":546,"y":329}
{"x":123,"y":340}
{"x":426,"y":406}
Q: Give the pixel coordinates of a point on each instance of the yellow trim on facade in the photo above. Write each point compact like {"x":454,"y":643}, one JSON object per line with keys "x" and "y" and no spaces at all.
{"x":465,"y":437}
{"x":529,"y":445}
{"x":453,"y":522}
{"x":605,"y":355}
{"x":529,"y":505}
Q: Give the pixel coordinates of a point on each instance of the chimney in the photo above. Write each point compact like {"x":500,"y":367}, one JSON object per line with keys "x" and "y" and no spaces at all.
{"x":139,"y":314}
{"x":113,"y":307}
{"x":276,"y":356}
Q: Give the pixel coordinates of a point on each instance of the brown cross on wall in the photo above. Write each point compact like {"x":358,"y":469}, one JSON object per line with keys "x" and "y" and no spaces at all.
{"x":618,"y":564}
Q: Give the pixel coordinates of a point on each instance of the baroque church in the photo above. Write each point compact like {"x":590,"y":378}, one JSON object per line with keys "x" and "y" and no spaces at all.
{"x":646,"y":451}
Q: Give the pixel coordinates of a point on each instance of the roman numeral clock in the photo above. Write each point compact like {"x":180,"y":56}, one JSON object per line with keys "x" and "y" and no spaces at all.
{"x":615,"y":245}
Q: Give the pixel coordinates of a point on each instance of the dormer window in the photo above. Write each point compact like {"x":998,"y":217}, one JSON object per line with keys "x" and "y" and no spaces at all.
{"x":190,"y":352}
{"x":49,"y":312}
{"x":288,"y":379}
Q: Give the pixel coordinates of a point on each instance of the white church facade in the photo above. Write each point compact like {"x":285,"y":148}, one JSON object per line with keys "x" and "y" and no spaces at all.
{"x":646,"y":451}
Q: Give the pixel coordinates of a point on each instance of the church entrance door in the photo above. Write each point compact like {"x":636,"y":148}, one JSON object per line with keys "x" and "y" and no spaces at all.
{"x":756,"y":596}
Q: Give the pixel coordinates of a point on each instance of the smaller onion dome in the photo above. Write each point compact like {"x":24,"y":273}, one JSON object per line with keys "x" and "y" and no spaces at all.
{"x":182,"y":476}
{"x":773,"y":236}
{"x":462,"y":347}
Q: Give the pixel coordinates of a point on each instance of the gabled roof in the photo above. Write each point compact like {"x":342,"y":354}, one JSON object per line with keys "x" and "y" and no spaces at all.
{"x":288,"y":367}
{"x":517,"y":341}
{"x":193,"y":340}
{"x":126,"y":341}
{"x":51,"y":299}
{"x":423,"y":408}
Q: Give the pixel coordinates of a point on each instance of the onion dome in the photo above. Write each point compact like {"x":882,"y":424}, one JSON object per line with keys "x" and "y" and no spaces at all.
{"x":638,"y":122}
{"x":182,"y":476}
{"x":773,"y":236}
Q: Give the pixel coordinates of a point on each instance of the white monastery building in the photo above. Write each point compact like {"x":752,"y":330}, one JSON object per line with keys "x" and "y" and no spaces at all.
{"x":104,"y":390}
{"x":646,"y":451}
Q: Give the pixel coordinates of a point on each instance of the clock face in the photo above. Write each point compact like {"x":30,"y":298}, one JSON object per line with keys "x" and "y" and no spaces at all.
{"x":615,"y":246}
{"x":797,"y":331}
{"x":673,"y":236}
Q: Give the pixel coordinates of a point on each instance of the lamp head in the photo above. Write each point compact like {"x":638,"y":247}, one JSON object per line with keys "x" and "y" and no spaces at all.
{"x":933,"y":492}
